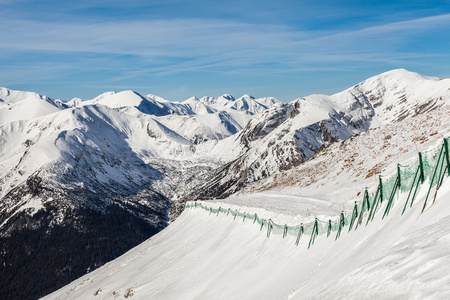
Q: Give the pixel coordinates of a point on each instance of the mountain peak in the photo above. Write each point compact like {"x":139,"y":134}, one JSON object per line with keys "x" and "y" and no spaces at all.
{"x":192,"y":99}
{"x":247,"y":96}
{"x":75,"y":102}
{"x":12,"y":96}
{"x":156,"y":98}
{"x":401,"y":75}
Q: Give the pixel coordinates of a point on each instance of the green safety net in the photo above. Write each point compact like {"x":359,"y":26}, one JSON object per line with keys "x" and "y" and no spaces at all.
{"x":430,"y":166}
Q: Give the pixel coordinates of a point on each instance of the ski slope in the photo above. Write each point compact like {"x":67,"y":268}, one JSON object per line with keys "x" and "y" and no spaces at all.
{"x":203,"y":256}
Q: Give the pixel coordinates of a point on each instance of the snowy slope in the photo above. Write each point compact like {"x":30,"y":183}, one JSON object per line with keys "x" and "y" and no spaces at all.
{"x":203,"y":127}
{"x":18,"y":105}
{"x":398,"y":94}
{"x":198,"y":107}
{"x":252,"y":105}
{"x":202,"y":256}
{"x":135,"y":103}
{"x":219,"y":258}
{"x":245,"y":103}
{"x":218,"y":102}
{"x":91,"y":149}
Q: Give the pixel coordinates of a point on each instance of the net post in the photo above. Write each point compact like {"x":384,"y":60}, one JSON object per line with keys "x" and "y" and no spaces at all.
{"x":354,"y":216}
{"x":269,"y":228}
{"x":432,"y":179}
{"x":391,"y":196}
{"x":341,"y":225}
{"x":314,"y":233}
{"x":300,"y":232}
{"x":329,"y":228}
{"x":422,"y":172}
{"x":285,"y":230}
{"x":447,"y":155}
{"x":365,"y":205}
{"x":414,"y":183}
{"x":381,"y":189}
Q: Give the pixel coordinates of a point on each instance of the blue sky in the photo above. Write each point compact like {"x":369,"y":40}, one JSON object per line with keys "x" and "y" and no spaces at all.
{"x":178,"y":49}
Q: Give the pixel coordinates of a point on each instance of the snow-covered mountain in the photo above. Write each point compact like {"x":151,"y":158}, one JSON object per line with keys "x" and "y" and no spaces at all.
{"x":245,"y":103}
{"x":287,"y":135}
{"x":208,"y":118}
{"x":69,"y":168}
{"x":105,"y":146}
{"x":18,"y":105}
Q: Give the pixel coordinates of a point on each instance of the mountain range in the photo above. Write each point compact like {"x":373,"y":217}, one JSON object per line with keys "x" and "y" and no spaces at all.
{"x":85,"y":181}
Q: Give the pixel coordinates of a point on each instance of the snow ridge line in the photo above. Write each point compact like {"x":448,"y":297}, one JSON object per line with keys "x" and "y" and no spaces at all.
{"x":401,"y":182}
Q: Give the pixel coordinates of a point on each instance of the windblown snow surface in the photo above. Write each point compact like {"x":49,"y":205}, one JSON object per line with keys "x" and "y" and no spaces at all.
{"x":204,"y":256}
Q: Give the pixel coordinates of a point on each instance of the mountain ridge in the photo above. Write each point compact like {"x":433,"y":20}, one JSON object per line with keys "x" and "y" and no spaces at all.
{"x":293,"y":132}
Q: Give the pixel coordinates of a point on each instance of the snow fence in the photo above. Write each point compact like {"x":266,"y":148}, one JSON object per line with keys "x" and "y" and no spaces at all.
{"x":428,"y":170}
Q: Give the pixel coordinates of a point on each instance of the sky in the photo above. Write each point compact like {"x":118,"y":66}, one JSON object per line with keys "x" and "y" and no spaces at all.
{"x":178,"y":49}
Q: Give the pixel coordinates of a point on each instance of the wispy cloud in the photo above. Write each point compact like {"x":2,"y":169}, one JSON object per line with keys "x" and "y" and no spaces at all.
{"x":208,"y":42}
{"x":164,"y":38}
{"x":394,"y":32}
